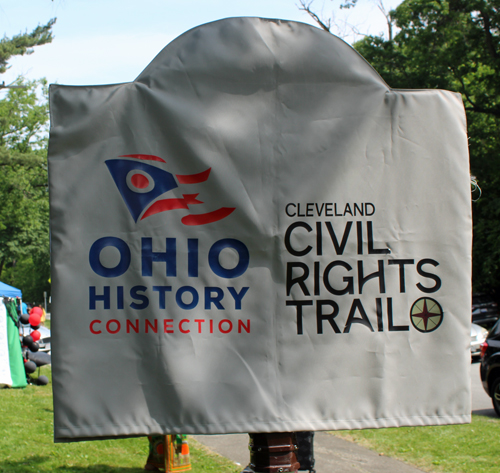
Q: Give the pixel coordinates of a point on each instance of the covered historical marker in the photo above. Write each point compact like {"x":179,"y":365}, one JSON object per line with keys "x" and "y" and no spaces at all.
{"x":257,"y":235}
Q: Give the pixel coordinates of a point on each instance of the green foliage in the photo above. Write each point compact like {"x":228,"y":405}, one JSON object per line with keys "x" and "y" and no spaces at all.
{"x":26,"y":441}
{"x":455,"y":45}
{"x":30,"y":274}
{"x":451,"y":44}
{"x":349,"y":4}
{"x":23,"y":120}
{"x":23,"y":43}
{"x":24,"y":213}
{"x":466,"y":448}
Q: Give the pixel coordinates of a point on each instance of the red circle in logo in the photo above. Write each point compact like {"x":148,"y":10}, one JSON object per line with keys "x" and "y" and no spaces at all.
{"x":139,"y":181}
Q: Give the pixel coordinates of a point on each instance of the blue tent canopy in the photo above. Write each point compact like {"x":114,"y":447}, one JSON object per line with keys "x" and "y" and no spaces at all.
{"x":9,"y":291}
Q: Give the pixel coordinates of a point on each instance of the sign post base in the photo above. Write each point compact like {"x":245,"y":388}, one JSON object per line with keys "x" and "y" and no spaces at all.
{"x":272,"y":453}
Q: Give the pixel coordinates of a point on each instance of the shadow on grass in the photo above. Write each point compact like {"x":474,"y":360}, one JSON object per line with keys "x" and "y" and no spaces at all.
{"x":36,"y":463}
{"x":97,"y":469}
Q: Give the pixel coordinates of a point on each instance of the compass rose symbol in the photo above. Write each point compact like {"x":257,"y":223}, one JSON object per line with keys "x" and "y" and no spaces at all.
{"x":426,"y":314}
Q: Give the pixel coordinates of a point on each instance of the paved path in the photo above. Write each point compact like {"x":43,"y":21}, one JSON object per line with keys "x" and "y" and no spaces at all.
{"x":335,"y":455}
{"x":481,"y":402}
{"x":332,"y":454}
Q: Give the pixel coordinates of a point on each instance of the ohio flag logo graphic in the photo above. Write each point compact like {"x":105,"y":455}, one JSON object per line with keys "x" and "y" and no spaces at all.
{"x":141,"y":184}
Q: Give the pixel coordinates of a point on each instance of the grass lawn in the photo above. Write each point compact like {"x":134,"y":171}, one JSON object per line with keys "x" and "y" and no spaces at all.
{"x":26,"y":441}
{"x":468,"y":448}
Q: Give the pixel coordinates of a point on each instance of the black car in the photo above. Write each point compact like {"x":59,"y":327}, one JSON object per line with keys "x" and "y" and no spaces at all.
{"x":490,"y":366}
{"x":484,"y":309}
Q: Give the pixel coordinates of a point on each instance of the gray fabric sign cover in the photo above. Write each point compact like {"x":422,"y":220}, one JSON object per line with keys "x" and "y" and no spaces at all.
{"x":256,"y":235}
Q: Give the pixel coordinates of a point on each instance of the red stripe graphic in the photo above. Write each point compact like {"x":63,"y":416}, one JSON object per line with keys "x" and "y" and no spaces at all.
{"x":171,"y":204}
{"x":193,"y":178}
{"x":144,"y":157}
{"x":210,"y":217}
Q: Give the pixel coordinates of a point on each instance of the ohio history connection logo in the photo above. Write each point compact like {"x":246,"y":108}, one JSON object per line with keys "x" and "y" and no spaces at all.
{"x":141,"y":184}
{"x":145,"y":186}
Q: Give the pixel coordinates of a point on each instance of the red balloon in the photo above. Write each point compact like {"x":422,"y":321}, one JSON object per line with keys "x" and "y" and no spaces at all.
{"x":34,"y":319}
{"x":35,"y":335}
{"x":36,"y":310}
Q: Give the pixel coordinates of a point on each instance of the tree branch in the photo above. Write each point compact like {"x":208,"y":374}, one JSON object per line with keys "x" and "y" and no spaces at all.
{"x":475,"y":108}
{"x":489,"y":36}
{"x":388,"y":18}
{"x":307,"y":8}
{"x":489,"y":111}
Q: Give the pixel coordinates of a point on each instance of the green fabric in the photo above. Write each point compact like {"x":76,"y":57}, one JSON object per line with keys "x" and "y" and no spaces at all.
{"x":17,"y":372}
